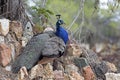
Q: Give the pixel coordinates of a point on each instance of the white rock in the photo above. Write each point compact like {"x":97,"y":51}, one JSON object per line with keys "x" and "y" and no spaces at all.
{"x":36,"y":71}
{"x":2,"y":39}
{"x":87,"y":46}
{"x":8,"y":68}
{"x":112,"y":76}
{"x":48,"y":29}
{"x":24,"y":41}
{"x":4,"y":26}
{"x":22,"y":74}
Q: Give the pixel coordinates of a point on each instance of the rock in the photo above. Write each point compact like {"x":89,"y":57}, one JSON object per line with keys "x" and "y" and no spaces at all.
{"x":70,"y":67}
{"x":18,"y":47}
{"x":27,"y":34}
{"x":66,"y":77}
{"x":22,"y":74}
{"x":48,"y":28}
{"x":9,"y":39}
{"x":58,"y":75}
{"x":88,"y":73}
{"x":15,"y":49}
{"x":28,"y":31}
{"x":24,"y":41}
{"x":4,"y":26}
{"x":99,"y":47}
{"x":12,"y":47}
{"x":67,"y":59}
{"x":48,"y":72}
{"x":57,"y":65}
{"x":8,"y":68}
{"x":112,"y":76}
{"x":5,"y":54}
{"x":16,"y":30}
{"x":76,"y":76}
{"x":91,"y":57}
{"x":2,"y":40}
{"x":85,"y":45}
{"x":80,"y":62}
{"x":7,"y":75}
{"x":99,"y":67}
{"x":100,"y":70}
{"x":74,"y":50}
{"x":36,"y":71}
{"x":111,"y":67}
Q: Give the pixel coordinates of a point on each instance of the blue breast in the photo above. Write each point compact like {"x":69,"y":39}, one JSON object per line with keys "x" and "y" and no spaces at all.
{"x":62,"y":33}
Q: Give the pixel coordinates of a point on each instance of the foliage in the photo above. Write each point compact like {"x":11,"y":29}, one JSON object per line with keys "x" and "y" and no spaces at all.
{"x":42,"y":11}
{"x":67,"y":8}
{"x":96,"y":19}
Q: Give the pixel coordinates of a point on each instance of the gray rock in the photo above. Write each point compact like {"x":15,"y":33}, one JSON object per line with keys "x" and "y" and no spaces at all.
{"x":100,"y":70}
{"x":81,"y":62}
{"x":98,"y":67}
{"x":2,"y":39}
{"x":28,"y":31}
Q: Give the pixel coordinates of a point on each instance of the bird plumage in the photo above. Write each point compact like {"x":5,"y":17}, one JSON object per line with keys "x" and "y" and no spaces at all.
{"x":42,"y":45}
{"x":47,"y":44}
{"x":61,"y":32}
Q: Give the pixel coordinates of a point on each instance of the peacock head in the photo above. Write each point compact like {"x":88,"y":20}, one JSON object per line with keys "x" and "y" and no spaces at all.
{"x":59,"y":22}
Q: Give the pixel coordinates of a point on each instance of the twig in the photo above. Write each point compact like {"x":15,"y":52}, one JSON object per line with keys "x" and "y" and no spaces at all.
{"x":80,"y":9}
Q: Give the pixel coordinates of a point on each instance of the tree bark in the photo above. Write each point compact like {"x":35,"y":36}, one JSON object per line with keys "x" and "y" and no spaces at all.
{"x":13,"y":10}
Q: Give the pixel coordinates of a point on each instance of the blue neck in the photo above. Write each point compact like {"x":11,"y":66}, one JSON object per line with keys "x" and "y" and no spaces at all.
{"x":57,"y":26}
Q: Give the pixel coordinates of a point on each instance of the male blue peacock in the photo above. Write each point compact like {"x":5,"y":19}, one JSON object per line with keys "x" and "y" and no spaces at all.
{"x":48,"y":44}
{"x":60,"y":31}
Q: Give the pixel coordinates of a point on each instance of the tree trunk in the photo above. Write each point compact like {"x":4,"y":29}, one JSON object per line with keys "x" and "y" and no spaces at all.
{"x":13,"y":10}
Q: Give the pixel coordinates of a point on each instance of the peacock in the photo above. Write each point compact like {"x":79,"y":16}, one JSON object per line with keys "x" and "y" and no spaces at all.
{"x":48,"y":44}
{"x":60,"y":31}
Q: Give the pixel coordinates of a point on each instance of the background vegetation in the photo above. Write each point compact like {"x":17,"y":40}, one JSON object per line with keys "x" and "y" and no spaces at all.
{"x":96,"y":19}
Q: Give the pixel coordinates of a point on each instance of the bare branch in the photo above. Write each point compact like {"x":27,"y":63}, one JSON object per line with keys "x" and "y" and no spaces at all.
{"x":79,"y":11}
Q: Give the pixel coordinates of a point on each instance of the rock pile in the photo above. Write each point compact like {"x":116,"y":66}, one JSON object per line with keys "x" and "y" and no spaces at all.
{"x":11,"y":38}
{"x":78,"y":63}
